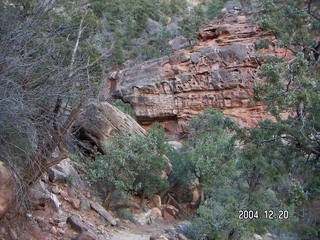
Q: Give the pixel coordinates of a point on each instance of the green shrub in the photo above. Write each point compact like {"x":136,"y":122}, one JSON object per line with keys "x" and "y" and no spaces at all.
{"x":124,"y":213}
{"x":124,"y":107}
{"x":132,"y":163}
{"x":261,"y":43}
{"x":199,"y":16}
{"x":231,"y":179}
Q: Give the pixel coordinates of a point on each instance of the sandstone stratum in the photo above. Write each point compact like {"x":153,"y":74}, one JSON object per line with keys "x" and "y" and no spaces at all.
{"x":219,"y":72}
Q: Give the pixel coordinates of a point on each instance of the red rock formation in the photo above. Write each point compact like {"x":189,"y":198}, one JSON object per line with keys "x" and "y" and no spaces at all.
{"x":219,"y":72}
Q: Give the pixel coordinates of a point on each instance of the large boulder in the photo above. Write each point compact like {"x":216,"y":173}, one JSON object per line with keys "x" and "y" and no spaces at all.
{"x":97,"y":123}
{"x":65,"y":172}
{"x":6,"y":188}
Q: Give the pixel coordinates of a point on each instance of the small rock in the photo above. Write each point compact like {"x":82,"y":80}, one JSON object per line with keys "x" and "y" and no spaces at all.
{"x":87,"y":236}
{"x":61,"y":224}
{"x":42,"y":196}
{"x":64,"y":194}
{"x":241,"y":19}
{"x":170,"y":231}
{"x":175,"y":144}
{"x":64,"y":172}
{"x":256,"y":237}
{"x":179,"y":43}
{"x":194,"y":58}
{"x":157,"y":237}
{"x":143,"y":218}
{"x":75,"y":202}
{"x":171,"y":210}
{"x":180,"y":236}
{"x":196,"y":196}
{"x":57,"y":176}
{"x":156,"y":200}
{"x":103,"y":212}
{"x":41,"y":222}
{"x":54,"y":231}
{"x":76,"y":224}
{"x":156,"y":213}
{"x":53,"y":202}
{"x":84,"y":204}
{"x":55,"y":190}
{"x":61,"y":231}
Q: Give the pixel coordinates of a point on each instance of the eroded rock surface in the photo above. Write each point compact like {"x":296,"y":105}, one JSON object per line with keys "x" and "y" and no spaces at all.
{"x":219,"y":72}
{"x":97,"y":123}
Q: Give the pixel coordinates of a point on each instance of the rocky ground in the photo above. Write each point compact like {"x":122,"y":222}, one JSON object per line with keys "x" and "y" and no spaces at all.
{"x":64,"y":207}
{"x":142,"y":232}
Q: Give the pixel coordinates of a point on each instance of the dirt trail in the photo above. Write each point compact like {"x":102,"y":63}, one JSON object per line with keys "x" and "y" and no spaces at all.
{"x":137,"y":232}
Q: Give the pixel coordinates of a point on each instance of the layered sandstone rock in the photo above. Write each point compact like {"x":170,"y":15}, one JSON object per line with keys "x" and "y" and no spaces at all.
{"x":97,"y":123}
{"x":219,"y":72}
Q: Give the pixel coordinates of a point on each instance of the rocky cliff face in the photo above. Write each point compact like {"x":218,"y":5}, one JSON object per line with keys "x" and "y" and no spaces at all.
{"x":219,"y":72}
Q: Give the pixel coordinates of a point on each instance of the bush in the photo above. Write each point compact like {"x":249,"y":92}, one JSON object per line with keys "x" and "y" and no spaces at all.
{"x":132,"y":163}
{"x":125,"y":21}
{"x":124,"y":107}
{"x":124,"y":213}
{"x":200,"y":15}
{"x":261,"y":43}
{"x":231,"y":179}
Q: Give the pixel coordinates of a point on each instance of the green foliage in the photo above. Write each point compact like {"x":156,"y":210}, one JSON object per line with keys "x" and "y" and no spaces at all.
{"x":288,"y":20}
{"x":297,"y":195}
{"x":125,"y":22}
{"x":200,"y":15}
{"x":124,"y":213}
{"x":261,"y":43}
{"x":212,"y":146}
{"x":117,"y":55}
{"x":288,"y":147}
{"x":48,"y":60}
{"x":132,"y":163}
{"x":310,"y":231}
{"x":124,"y":107}
{"x":234,"y":179}
{"x":131,"y":13}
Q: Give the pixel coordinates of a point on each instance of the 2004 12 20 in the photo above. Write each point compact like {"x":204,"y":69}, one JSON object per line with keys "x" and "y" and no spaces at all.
{"x":267,"y":214}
